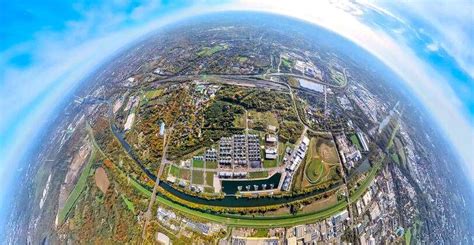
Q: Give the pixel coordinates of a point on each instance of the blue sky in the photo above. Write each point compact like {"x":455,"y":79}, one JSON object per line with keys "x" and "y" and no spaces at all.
{"x":47,"y":47}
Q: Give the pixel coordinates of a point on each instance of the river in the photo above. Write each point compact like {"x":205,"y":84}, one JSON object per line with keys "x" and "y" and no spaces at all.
{"x":227,"y":201}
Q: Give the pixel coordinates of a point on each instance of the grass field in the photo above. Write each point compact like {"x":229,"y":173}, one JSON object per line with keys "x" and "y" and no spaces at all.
{"x":355,"y":141}
{"x":338,"y":77}
{"x":78,"y":189}
{"x":407,"y":236}
{"x":242,"y":59}
{"x":262,"y":119}
{"x":198,"y":163}
{"x":314,"y":170}
{"x":211,"y":165}
{"x":208,"y":51}
{"x":185,"y":174}
{"x":400,"y":151}
{"x":261,"y":221}
{"x":175,"y":171}
{"x":198,"y":177}
{"x":261,"y":232}
{"x":321,"y":161}
{"x":209,"y":178}
{"x":151,"y":94}
{"x":270,"y":163}
{"x":392,"y":136}
{"x":257,"y":175}
{"x":395,"y":158}
{"x":239,"y":121}
{"x":128,"y":203}
{"x":286,"y":62}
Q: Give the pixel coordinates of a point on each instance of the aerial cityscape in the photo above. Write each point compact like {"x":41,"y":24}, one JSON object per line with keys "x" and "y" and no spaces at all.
{"x":240,"y":132}
{"x":237,"y":122}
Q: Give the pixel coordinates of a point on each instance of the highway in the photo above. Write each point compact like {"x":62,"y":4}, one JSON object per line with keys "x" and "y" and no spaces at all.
{"x":242,"y":80}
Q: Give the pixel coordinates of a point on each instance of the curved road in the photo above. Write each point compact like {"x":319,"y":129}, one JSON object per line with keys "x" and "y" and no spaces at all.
{"x":257,"y":80}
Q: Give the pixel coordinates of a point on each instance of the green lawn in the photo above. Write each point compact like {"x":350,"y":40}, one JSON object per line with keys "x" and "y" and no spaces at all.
{"x":407,"y":236}
{"x":242,"y":59}
{"x":355,"y":141}
{"x":175,"y":171}
{"x":198,"y":163}
{"x":246,"y":221}
{"x":211,"y":165}
{"x":270,"y":163}
{"x":392,"y":136}
{"x":338,"y":77}
{"x":314,"y":167}
{"x":210,"y":178}
{"x":395,"y":158}
{"x":208,"y":51}
{"x":151,"y":94}
{"x":262,"y":119}
{"x":198,"y":177}
{"x":400,"y":151}
{"x":314,"y":170}
{"x":128,"y":203}
{"x":260,"y":174}
{"x":78,"y":188}
{"x":261,"y":232}
{"x":285,"y":220}
{"x":286,"y":62}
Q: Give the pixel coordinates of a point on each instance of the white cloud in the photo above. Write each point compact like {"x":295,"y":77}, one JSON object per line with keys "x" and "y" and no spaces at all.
{"x":431,"y":88}
{"x":432,"y":47}
{"x":449,"y":22}
{"x":61,"y":60}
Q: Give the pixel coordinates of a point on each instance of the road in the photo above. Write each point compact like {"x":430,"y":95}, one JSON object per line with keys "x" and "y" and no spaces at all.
{"x":149,"y":213}
{"x":243,"y":80}
{"x":255,"y":79}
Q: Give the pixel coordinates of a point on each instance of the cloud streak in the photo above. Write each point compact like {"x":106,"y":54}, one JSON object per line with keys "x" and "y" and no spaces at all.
{"x":59,"y":62}
{"x":431,"y":87}
{"x":55,"y":61}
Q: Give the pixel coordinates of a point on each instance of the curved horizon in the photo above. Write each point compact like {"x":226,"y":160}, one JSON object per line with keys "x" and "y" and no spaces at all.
{"x":64,"y":57}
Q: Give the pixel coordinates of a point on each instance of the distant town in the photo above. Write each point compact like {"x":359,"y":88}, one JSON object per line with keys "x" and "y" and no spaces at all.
{"x":241,"y":134}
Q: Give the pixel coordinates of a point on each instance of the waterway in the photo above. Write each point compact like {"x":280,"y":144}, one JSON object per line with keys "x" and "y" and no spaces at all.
{"x":229,"y":186}
{"x":232,"y":186}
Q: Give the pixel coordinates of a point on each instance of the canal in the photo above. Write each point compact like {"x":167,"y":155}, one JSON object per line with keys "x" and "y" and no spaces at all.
{"x":230,"y":186}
